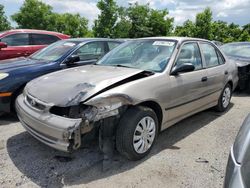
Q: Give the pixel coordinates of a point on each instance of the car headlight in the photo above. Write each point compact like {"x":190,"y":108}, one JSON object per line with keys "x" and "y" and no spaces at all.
{"x":3,"y":75}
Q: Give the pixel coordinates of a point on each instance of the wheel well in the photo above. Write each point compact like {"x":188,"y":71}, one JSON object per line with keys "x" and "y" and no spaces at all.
{"x":14,"y":96}
{"x":156,"y":108}
{"x":231,"y":84}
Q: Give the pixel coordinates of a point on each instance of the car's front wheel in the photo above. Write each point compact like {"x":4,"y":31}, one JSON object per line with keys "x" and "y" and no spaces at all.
{"x":136,"y":132}
{"x":224,"y":99}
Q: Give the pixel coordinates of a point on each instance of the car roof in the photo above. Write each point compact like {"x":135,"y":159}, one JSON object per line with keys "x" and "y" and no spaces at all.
{"x":237,"y":43}
{"x":94,"y":39}
{"x":14,"y":31}
{"x":179,"y":39}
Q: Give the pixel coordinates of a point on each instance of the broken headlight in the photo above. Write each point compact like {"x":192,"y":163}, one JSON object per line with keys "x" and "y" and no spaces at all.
{"x":107,"y":106}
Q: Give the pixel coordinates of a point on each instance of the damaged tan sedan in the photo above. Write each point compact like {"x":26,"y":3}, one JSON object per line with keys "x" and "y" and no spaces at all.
{"x":137,"y":90}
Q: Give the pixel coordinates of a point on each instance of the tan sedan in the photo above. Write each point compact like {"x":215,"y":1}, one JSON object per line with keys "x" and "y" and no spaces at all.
{"x":137,"y":90}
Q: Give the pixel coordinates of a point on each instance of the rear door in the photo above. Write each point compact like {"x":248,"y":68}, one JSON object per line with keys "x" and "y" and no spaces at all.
{"x":216,"y":67}
{"x":39,"y":41}
{"x":190,"y":88}
{"x":18,"y":45}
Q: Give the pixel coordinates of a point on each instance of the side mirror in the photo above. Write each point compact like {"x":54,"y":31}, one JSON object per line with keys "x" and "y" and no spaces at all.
{"x":72,"y":59}
{"x":3,"y":45}
{"x":185,"y":67}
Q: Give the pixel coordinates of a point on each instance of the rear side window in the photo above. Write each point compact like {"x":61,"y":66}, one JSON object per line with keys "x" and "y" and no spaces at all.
{"x":20,"y":39}
{"x":112,"y":45}
{"x":221,"y":59}
{"x":42,"y":39}
{"x":210,"y":55}
{"x":190,"y":53}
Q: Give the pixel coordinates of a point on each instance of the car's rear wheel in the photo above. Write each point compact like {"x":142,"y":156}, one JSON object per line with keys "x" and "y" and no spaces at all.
{"x":224,"y":99}
{"x":136,"y":132}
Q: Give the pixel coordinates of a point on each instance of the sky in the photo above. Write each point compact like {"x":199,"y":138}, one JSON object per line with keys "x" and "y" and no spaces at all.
{"x":236,"y":11}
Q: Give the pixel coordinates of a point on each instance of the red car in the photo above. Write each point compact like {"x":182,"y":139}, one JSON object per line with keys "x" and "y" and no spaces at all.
{"x":24,"y":42}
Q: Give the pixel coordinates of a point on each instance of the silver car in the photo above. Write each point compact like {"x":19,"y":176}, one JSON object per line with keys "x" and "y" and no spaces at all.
{"x":238,"y":167}
{"x":137,"y":90}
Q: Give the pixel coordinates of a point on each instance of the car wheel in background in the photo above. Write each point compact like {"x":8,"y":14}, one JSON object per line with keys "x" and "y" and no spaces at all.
{"x":224,"y":99}
{"x":136,"y":132}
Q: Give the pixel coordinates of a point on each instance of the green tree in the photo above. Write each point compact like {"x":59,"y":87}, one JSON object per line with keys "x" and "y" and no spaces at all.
{"x":220,"y":31}
{"x":34,"y":14}
{"x":123,"y":26}
{"x":104,"y":25}
{"x":186,"y":30}
{"x":203,"y":24}
{"x":139,"y":16}
{"x":71,"y":24}
{"x":159,"y":23}
{"x":4,"y":23}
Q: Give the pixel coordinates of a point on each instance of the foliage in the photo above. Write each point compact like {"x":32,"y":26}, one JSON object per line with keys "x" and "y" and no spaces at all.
{"x":205,"y":27}
{"x":103,"y":26}
{"x":35,"y":14}
{"x":4,"y":23}
{"x":203,"y":24}
{"x":120,"y":22}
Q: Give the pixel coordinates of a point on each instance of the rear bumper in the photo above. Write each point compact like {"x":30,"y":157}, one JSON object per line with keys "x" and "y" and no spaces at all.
{"x":5,"y":103}
{"x":54,"y":131}
{"x":233,"y":178}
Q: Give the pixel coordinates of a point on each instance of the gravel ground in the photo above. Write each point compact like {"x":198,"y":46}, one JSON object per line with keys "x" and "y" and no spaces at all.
{"x":192,"y":153}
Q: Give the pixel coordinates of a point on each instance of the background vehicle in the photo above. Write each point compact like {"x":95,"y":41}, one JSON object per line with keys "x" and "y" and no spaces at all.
{"x":239,"y":53}
{"x":24,"y":42}
{"x":15,"y":73}
{"x":137,"y":90}
{"x":238,"y":166}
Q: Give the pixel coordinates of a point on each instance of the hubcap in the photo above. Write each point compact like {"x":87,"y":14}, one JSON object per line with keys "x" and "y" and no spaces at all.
{"x":226,"y":97}
{"x":144,"y":135}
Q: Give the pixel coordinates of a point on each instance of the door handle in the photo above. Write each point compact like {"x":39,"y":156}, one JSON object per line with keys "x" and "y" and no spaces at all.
{"x":204,"y":79}
{"x":226,"y":72}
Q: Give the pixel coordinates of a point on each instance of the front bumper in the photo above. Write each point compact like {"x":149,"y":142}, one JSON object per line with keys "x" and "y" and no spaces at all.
{"x":5,"y":103}
{"x":55,"y":131}
{"x":233,"y":178}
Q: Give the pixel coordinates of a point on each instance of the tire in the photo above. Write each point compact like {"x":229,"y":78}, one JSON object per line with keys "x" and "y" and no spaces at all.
{"x":224,"y":99}
{"x":130,"y":138}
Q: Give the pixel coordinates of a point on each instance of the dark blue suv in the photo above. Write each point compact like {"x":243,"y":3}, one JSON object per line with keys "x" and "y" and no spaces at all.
{"x":15,"y":73}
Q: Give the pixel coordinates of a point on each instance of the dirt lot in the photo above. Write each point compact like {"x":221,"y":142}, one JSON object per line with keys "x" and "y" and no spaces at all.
{"x":192,"y":153}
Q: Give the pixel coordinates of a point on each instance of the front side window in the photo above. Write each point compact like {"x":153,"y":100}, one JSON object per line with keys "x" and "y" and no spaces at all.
{"x":21,"y":39}
{"x":190,"y":53}
{"x":42,"y":39}
{"x":143,"y":54}
{"x":210,"y":55}
{"x":93,"y":50}
{"x":54,"y":51}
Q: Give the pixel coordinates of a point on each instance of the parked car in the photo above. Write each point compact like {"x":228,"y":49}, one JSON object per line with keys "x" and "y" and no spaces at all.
{"x":24,"y":42}
{"x":238,"y":166}
{"x":137,"y":90}
{"x":15,"y":73}
{"x":239,"y":52}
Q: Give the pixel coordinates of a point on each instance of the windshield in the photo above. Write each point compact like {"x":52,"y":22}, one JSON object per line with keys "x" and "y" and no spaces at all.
{"x":144,"y":54}
{"x":237,"y":50}
{"x":54,"y":51}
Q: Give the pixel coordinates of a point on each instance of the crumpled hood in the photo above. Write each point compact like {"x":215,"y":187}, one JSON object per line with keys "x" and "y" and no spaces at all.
{"x":17,"y":63}
{"x":240,"y":62}
{"x":71,"y":86}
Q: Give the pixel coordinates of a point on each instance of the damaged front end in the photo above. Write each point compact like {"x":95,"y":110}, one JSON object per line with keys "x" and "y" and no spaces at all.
{"x":63,"y":127}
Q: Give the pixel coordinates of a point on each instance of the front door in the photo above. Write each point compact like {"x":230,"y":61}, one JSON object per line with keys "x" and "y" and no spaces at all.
{"x":188,"y":89}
